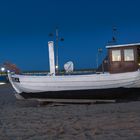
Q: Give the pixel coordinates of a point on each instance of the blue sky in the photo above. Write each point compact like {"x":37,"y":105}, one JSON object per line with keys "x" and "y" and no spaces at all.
{"x":86,"y":25}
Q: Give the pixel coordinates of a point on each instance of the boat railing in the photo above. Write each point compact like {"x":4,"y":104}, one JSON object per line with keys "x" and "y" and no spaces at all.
{"x":60,"y":73}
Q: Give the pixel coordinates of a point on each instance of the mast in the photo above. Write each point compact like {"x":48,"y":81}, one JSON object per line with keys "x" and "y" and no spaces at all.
{"x":51,"y":57}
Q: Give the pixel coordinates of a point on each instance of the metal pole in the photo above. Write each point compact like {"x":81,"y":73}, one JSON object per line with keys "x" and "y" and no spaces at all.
{"x":102,"y":64}
{"x":97,"y":61}
{"x":102,"y":61}
{"x":56,"y":50}
{"x":57,"y":39}
{"x":100,"y":52}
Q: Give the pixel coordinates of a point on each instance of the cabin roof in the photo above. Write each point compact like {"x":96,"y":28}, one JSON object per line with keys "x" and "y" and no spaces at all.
{"x":122,"y":45}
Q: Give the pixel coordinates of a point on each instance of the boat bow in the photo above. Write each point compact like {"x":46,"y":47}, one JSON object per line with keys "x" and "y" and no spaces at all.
{"x":13,"y":83}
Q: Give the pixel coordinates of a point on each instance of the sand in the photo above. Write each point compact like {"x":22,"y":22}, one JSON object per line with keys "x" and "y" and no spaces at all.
{"x":27,"y":120}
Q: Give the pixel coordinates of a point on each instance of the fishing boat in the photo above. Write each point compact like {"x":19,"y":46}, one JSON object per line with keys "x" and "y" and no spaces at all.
{"x":121,"y":80}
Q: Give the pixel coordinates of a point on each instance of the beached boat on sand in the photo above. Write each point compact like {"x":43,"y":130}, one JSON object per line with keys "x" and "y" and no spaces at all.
{"x":122,"y":79}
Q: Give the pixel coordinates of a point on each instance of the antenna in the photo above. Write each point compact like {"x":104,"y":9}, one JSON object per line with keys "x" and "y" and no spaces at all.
{"x":114,"y":36}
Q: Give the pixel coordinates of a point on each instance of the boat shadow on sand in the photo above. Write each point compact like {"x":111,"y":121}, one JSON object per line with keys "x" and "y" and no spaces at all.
{"x":120,"y":95}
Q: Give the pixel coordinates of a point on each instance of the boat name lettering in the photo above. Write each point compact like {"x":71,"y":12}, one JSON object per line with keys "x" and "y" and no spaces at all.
{"x":15,"y":79}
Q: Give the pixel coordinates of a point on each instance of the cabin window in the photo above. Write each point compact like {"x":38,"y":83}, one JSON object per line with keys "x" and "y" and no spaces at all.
{"x":116,"y":55}
{"x":128,"y":55}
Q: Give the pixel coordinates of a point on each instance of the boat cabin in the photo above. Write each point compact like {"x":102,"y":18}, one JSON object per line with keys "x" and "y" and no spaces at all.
{"x":123,"y":58}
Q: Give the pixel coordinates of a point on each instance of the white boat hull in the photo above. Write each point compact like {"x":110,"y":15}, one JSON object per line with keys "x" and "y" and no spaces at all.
{"x":59,"y":84}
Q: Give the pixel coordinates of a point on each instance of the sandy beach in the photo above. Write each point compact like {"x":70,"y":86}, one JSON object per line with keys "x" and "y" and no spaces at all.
{"x":27,"y":120}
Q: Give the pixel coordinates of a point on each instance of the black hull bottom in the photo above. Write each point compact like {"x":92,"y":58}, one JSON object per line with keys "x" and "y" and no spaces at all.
{"x":114,"y":93}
